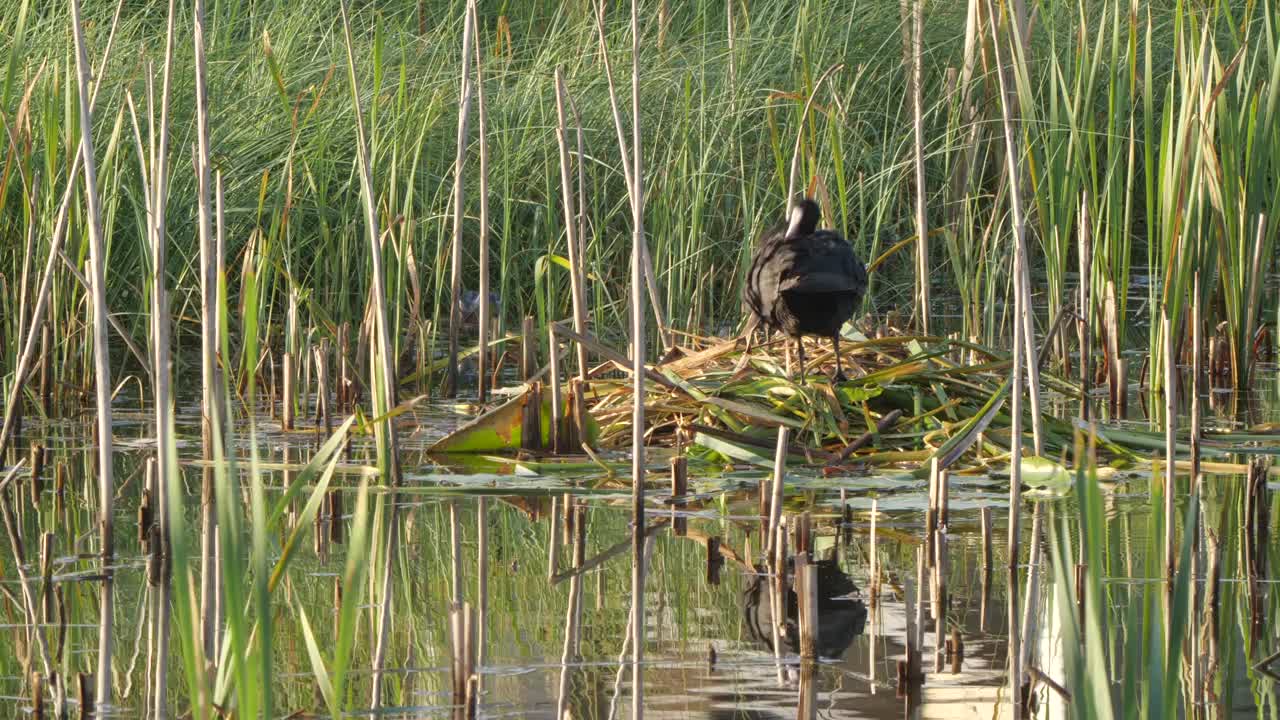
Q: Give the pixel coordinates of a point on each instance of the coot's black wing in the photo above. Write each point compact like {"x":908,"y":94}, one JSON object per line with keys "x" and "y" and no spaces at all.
{"x":760,"y":290}
{"x":823,"y":262}
{"x":823,"y":284}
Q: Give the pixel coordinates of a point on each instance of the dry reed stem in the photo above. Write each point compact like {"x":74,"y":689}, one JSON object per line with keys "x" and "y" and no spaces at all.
{"x":917,"y":123}
{"x":1086,"y":307}
{"x":776,"y":490}
{"x":101,"y":357}
{"x":573,"y":613}
{"x":455,"y":252}
{"x":1015,"y":469}
{"x":570,"y":226}
{"x":209,"y":403}
{"x":628,"y":637}
{"x":482,"y":360}
{"x":629,"y":176}
{"x":638,"y":253}
{"x":166,"y":464}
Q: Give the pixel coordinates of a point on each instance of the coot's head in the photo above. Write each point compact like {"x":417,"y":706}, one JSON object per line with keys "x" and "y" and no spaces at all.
{"x":804,"y":218}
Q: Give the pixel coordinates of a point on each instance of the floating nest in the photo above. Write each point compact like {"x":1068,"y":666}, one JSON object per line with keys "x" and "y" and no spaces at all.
{"x":908,"y":399}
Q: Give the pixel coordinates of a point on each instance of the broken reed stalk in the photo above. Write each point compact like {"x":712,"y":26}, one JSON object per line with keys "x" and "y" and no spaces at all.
{"x":1116,"y":383}
{"x":323,"y":417}
{"x":939,"y":563}
{"x":1019,"y":346}
{"x":778,"y":592}
{"x":1243,"y":349}
{"x":455,"y":252}
{"x":917,"y":123}
{"x":482,"y":583}
{"x":807,"y":603}
{"x":1171,"y":440}
{"x":631,"y":174}
{"x":455,"y":556}
{"x":732,"y":33}
{"x":24,"y":279}
{"x":1086,"y":307}
{"x":794,"y":173}
{"x":486,"y":312}
{"x":940,"y":596}
{"x":679,"y":488}
{"x":638,"y":254}
{"x":1031,"y":609}
{"x":582,"y":191}
{"x":1196,"y":370}
{"x":985,"y":592}
{"x":101,"y":356}
{"x":287,"y":373}
{"x":931,"y":511}
{"x":918,"y":626}
{"x":576,"y":290}
{"x":776,"y":491}
{"x":873,"y":582}
{"x":458,"y":663}
{"x":573,"y":613}
{"x":35,"y":325}
{"x":383,"y":369}
{"x":220,"y":301}
{"x":557,"y":407}
{"x":24,"y":582}
{"x":528,"y":349}
{"x":553,"y":540}
{"x":910,"y":672}
{"x":628,"y":637}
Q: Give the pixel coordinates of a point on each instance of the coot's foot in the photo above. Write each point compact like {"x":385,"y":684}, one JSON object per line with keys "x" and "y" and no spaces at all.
{"x":840,"y":377}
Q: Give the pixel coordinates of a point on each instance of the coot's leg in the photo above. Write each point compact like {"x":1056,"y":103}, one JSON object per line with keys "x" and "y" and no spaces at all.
{"x":800,"y":352}
{"x":835,"y":344}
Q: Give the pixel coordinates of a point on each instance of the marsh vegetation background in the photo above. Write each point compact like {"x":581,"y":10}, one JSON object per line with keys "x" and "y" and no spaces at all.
{"x":306,"y":241}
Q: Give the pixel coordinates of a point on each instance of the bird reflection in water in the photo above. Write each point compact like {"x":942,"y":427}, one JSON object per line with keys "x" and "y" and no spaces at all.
{"x":841,"y":616}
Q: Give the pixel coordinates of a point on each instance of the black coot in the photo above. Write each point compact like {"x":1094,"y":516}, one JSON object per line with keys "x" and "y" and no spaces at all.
{"x":805,"y":281}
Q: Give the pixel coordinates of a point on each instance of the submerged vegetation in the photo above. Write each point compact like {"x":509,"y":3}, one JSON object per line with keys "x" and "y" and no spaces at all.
{"x":336,"y":215}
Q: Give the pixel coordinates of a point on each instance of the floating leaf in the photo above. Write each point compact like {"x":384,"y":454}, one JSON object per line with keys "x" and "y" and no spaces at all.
{"x":1043,"y":473}
{"x":500,"y":429}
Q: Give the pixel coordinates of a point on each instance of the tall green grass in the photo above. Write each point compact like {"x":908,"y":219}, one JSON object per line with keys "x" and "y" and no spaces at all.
{"x":1161,"y":118}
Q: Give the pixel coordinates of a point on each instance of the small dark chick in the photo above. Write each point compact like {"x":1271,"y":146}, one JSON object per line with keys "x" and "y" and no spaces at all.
{"x":804,"y":281}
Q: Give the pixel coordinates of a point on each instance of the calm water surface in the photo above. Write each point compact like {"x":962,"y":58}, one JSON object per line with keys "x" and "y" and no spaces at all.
{"x":707,"y":654}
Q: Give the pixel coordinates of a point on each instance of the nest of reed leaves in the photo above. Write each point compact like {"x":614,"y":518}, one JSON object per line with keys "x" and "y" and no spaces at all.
{"x":908,"y":400}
